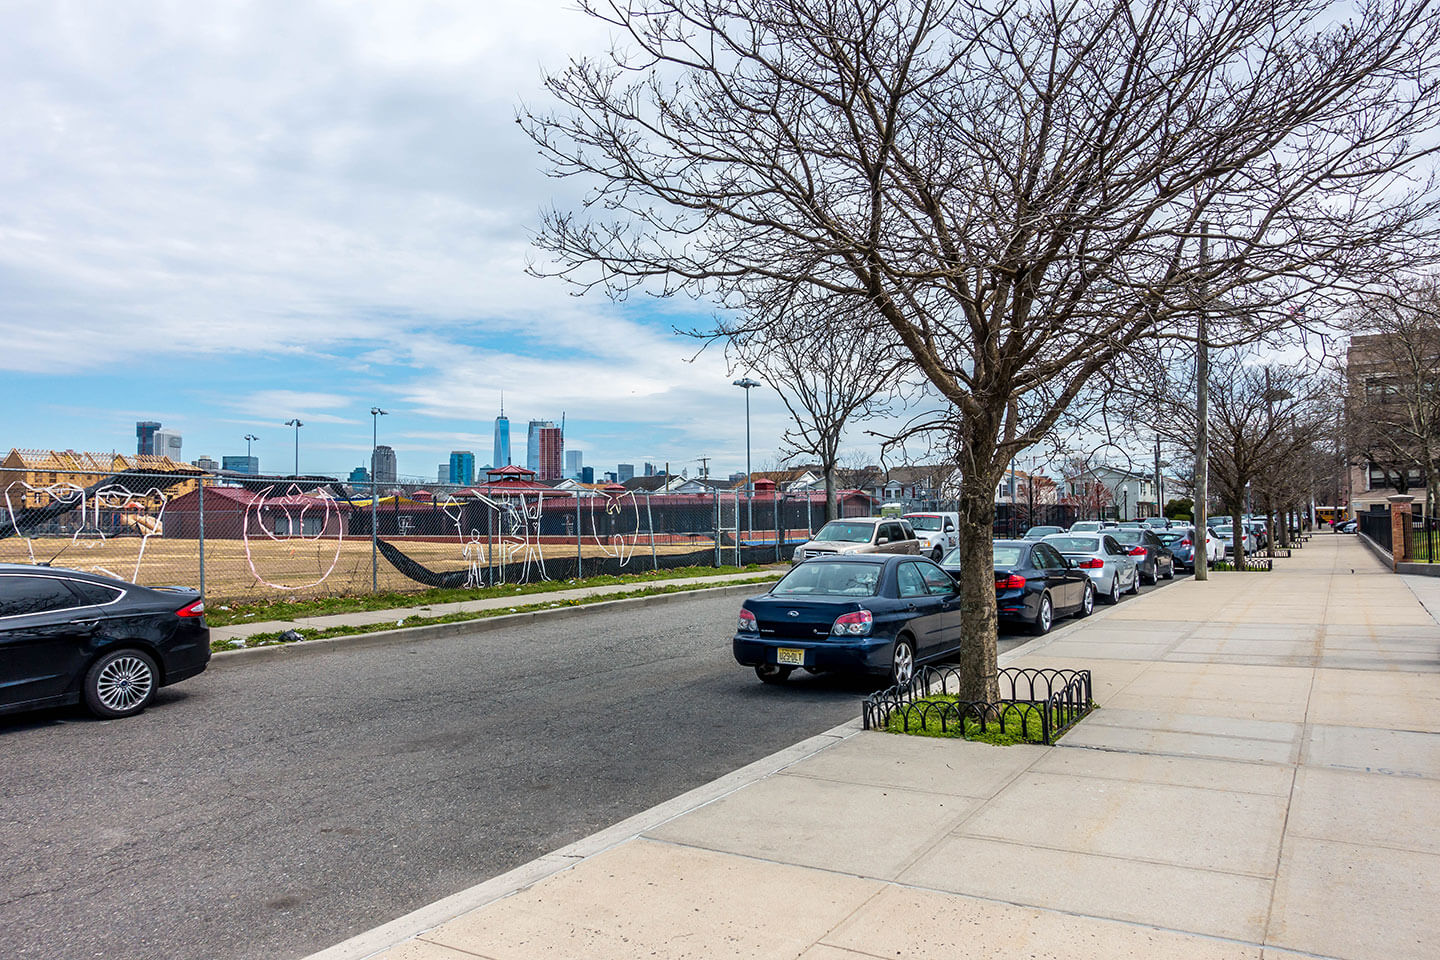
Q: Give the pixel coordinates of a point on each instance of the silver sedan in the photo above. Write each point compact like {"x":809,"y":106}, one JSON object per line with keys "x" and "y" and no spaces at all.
{"x":1103,"y":559}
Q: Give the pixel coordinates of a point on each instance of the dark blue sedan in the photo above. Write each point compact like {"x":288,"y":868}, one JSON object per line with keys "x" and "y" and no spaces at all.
{"x":875,"y":613}
{"x":1034,"y":584}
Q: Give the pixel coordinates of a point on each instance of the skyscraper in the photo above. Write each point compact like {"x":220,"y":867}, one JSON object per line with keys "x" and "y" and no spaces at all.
{"x":532,"y":443}
{"x":382,"y":463}
{"x":145,"y":436}
{"x":574,"y":463}
{"x":462,"y":467}
{"x":552,"y":452}
{"x":247,"y":464}
{"x":625,"y":471}
{"x":167,"y":444}
{"x":502,"y":440}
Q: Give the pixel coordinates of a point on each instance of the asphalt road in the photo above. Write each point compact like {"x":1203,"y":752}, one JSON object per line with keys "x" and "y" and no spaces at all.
{"x":275,"y":807}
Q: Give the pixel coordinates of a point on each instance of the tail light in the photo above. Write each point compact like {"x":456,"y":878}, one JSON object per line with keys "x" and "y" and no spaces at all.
{"x":196,"y":609}
{"x":746,"y":622}
{"x":1186,"y":543}
{"x":1137,"y":551}
{"x":855,"y":624}
{"x":1012,"y":582}
{"x":1094,"y":563}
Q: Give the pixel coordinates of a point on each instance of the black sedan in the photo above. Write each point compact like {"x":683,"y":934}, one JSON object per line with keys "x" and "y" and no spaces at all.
{"x":1153,"y":558}
{"x":876,"y":613}
{"x":1035,"y":584}
{"x":69,"y":637}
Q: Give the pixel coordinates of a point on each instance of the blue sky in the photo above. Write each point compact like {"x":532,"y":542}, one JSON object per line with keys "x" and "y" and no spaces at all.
{"x":222,"y":216}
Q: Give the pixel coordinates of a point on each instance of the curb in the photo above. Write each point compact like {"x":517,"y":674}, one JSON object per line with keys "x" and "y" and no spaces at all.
{"x":438,"y":631}
{"x":429,"y":917}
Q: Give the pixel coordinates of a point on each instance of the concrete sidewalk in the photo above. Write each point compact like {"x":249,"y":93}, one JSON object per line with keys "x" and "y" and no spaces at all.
{"x":361,"y":618}
{"x":1262,"y":780}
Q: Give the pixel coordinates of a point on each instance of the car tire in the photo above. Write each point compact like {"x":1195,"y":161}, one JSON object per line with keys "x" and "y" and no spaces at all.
{"x":1135,"y":583}
{"x":1170,"y":571}
{"x":1045,"y":619}
{"x":1087,"y":603}
{"x":121,"y":683}
{"x":772,"y":672}
{"x":1114,"y":595}
{"x":1150,"y":578}
{"x":936,"y":554}
{"x":902,"y":661}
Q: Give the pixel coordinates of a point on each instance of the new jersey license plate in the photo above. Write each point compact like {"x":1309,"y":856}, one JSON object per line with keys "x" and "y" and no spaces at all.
{"x":790,"y":655}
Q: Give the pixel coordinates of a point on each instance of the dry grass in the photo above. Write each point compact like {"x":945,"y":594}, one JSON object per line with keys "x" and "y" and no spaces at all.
{"x":297,"y":564}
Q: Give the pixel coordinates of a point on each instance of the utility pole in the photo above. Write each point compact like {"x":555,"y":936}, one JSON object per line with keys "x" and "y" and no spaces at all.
{"x":375,"y":414}
{"x":1202,"y":414}
{"x":704,"y":467}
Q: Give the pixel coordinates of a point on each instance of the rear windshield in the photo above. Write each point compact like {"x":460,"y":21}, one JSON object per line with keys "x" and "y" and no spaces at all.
{"x":1008,"y":556}
{"x":1043,"y":531}
{"x":923,"y":523}
{"x":1086,"y":525}
{"x":1167,"y":536}
{"x":846,"y":532}
{"x":820,"y":579}
{"x":1126,"y":535}
{"x":1074,"y":544}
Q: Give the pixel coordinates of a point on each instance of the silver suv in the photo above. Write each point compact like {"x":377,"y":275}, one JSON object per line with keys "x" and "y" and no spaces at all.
{"x":860,"y":535}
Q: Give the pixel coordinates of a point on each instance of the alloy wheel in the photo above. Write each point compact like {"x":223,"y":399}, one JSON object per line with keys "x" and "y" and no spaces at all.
{"x":902,"y":666}
{"x":124,"y":683}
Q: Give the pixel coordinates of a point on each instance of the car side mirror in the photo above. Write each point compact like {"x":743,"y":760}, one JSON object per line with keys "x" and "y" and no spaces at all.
{"x":881,"y":539}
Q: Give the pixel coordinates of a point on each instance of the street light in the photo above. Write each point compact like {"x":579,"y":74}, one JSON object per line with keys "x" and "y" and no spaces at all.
{"x":375,"y":414}
{"x":297,"y":423}
{"x":248,"y":438}
{"x":747,"y":384}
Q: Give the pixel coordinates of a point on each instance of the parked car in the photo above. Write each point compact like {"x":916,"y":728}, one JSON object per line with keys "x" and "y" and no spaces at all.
{"x":1092,"y":526}
{"x":1103,"y":560}
{"x":1040,"y":533}
{"x":1151,"y":555}
{"x":1348,"y":526}
{"x":1156,"y":523}
{"x":1181,"y":543}
{"x":874,"y":613}
{"x":937,"y":532}
{"x":1034,"y":584}
{"x":1226,"y":533}
{"x":1260,"y":528}
{"x":70,"y":637}
{"x":859,"y":535}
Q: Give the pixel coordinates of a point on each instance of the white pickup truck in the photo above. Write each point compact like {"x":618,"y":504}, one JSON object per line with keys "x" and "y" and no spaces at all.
{"x":937,"y":532}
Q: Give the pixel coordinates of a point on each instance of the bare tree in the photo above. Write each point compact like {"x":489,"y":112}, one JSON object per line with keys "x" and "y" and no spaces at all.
{"x":1013,"y":192}
{"x":1087,"y":493}
{"x":1393,"y":387}
{"x":829,"y":371}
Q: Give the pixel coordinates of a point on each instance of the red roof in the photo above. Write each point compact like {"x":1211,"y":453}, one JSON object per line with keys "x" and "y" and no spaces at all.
{"x":510,"y":470}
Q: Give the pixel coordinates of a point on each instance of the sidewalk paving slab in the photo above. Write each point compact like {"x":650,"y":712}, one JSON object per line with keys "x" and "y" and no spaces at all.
{"x":1211,"y":808}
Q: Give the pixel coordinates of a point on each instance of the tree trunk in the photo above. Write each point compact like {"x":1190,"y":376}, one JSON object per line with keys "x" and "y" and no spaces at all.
{"x":978,"y":654}
{"x":831,"y":507}
{"x":1237,"y":538}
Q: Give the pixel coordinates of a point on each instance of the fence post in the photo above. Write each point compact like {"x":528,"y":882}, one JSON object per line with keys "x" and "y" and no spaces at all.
{"x":715,"y":491}
{"x":579,"y":562}
{"x":650,"y":522}
{"x":809,"y":524}
{"x":779,"y":503}
{"x":202,"y":537}
{"x":737,"y":528}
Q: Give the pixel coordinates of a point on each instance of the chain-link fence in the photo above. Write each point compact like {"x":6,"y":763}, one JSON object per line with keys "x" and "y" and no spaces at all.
{"x":266,"y":537}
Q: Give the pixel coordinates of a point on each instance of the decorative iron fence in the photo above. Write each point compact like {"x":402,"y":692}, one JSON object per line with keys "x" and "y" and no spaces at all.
{"x":1042,"y":702}
{"x":1376,"y":526}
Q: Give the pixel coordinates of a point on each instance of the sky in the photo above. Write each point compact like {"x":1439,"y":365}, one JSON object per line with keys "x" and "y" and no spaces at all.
{"x":223,"y":216}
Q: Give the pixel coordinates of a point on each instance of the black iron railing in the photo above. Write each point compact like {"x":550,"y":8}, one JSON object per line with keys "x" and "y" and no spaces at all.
{"x":1036,"y":704}
{"x":1250,"y":564}
{"x":1376,"y":526}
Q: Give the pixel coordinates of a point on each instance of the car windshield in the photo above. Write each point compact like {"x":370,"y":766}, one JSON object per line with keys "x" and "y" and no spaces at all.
{"x":1170,"y":536}
{"x":1035,"y":533}
{"x":1126,"y":535}
{"x":1007,"y":556}
{"x":952,"y":558}
{"x":829,"y":580}
{"x":1224,"y":531}
{"x":1084,"y":525}
{"x":1074,"y":544}
{"x":921,"y":522}
{"x":848,"y":531}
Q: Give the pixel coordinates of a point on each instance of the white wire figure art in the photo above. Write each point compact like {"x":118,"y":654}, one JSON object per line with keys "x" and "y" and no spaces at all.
{"x":618,"y":545}
{"x":516,"y":545}
{"x":288,"y":504}
{"x":89,"y":532}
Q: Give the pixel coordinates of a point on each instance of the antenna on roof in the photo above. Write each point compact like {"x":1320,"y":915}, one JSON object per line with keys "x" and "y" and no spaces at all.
{"x":502,"y":403}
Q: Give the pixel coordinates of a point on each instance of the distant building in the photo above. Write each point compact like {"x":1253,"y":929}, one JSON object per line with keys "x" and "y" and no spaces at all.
{"x":587,"y":474}
{"x":574,"y":463}
{"x":167,"y":444}
{"x":532,"y":444}
{"x":207,"y":463}
{"x":359,"y":475}
{"x":40,"y":469}
{"x":611,"y":476}
{"x":246,"y":465}
{"x":462,"y":468}
{"x":625,"y":471}
{"x":383,"y":463}
{"x":649,"y":469}
{"x":145,"y":437}
{"x":442,"y":473}
{"x":501,"y":456}
{"x":552,"y":452}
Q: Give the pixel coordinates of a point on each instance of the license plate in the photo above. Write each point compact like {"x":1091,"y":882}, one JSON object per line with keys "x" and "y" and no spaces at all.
{"x":790,"y":655}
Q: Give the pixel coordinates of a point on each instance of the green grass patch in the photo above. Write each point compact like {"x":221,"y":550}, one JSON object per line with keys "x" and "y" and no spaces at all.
{"x":226,"y":613}
{"x":1015,"y":724}
{"x":273,"y":639}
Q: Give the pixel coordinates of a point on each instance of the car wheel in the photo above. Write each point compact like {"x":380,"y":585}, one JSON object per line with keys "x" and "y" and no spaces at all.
{"x":1170,"y":571}
{"x":1150,"y":578}
{"x":120,"y":683}
{"x":936,"y":554}
{"x":1114,"y":595}
{"x":902,"y":661}
{"x":1045,"y":618}
{"x":1135,"y":581}
{"x":1087,"y":603}
{"x":772,"y":672}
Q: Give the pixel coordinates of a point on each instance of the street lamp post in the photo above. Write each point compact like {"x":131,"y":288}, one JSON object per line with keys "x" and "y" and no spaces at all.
{"x":248,"y":438}
{"x":747,"y":384}
{"x":375,"y":414}
{"x":297,"y":423}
